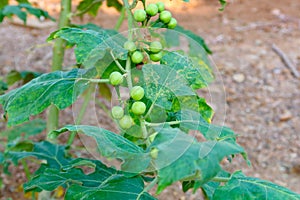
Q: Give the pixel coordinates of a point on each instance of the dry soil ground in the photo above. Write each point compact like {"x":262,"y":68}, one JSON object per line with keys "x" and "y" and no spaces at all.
{"x":262,"y":96}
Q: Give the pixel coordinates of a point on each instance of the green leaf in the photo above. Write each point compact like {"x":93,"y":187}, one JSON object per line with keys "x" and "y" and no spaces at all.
{"x":114,"y":3}
{"x":15,"y":76}
{"x":1,"y":158}
{"x":14,"y":10}
{"x":58,"y":88}
{"x":89,"y":6}
{"x":91,"y":45}
{"x":241,"y":187}
{"x":54,"y":155}
{"x":38,"y":13}
{"x":3,"y":87}
{"x":3,"y":3}
{"x":223,"y":4}
{"x":197,"y":73}
{"x":181,"y":157}
{"x":192,"y":120}
{"x":25,"y":130}
{"x":112,"y":145}
{"x":163,"y":84}
{"x":104,"y":91}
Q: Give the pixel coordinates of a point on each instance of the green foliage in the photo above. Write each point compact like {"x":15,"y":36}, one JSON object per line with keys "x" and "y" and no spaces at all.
{"x":90,"y":44}
{"x":58,"y":88}
{"x":252,"y":188}
{"x":21,"y":11}
{"x":60,"y":170}
{"x":155,"y":120}
{"x":25,"y":130}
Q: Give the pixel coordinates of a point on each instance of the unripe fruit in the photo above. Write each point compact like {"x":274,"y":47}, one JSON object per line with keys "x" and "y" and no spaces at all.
{"x":140,"y":15}
{"x":125,"y":122}
{"x":156,"y":56}
{"x":161,"y":6}
{"x":137,"y":57}
{"x":172,"y":24}
{"x":155,"y":47}
{"x":154,"y":153}
{"x":152,"y":9}
{"x":138,"y":108}
{"x":116,"y":78}
{"x":130,"y":46}
{"x":117,"y":112}
{"x":165,"y":16}
{"x":137,"y":93}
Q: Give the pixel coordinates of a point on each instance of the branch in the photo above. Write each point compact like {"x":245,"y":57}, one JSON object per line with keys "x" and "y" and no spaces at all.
{"x":286,"y":60}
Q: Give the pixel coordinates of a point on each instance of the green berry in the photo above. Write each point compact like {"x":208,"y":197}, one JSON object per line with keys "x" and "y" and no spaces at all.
{"x":172,"y":24}
{"x":137,"y":93}
{"x":138,"y":108}
{"x":156,"y":56}
{"x":117,"y":112}
{"x":130,"y":46}
{"x":154,"y":153}
{"x":161,"y":6}
{"x":125,"y":122}
{"x":152,"y":9}
{"x":137,"y":57}
{"x":165,"y":16}
{"x":140,"y":15}
{"x":116,"y":78}
{"x":155,"y":47}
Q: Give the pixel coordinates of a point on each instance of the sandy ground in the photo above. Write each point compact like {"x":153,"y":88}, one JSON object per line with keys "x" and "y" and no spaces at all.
{"x":262,"y":96}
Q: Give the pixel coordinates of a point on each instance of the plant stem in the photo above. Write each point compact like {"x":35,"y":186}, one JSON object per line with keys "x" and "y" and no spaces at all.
{"x":121,"y":19}
{"x":117,"y":62}
{"x":149,"y":187}
{"x":128,"y":70}
{"x":85,"y":104}
{"x":57,"y":60}
{"x":144,"y":128}
{"x":220,"y":179}
{"x":159,"y":124}
{"x":130,"y":19}
{"x":26,"y":169}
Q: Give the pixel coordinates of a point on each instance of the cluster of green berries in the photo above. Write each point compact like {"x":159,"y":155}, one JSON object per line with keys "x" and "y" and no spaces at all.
{"x":151,"y":10}
{"x":137,"y":56}
{"x":137,"y":108}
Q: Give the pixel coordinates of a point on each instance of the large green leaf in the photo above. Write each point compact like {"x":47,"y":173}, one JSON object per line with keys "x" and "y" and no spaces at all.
{"x":197,"y":73}
{"x":114,"y":3}
{"x":103,"y":183}
{"x":112,"y":145}
{"x":25,"y":130}
{"x":3,"y":3}
{"x":92,"y":45}
{"x":89,"y":6}
{"x":241,"y":187}
{"x":181,"y":157}
{"x":54,"y":155}
{"x":58,"y":88}
{"x":163,"y":84}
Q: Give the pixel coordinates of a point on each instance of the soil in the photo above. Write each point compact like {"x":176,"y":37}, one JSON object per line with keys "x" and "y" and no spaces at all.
{"x":262,"y":96}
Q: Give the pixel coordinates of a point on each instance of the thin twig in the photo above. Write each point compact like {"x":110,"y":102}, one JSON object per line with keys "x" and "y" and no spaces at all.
{"x":286,"y":60}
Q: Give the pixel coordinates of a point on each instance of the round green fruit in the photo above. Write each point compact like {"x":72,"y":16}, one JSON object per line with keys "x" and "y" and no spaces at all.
{"x":137,"y":93}
{"x":160,"y":6}
{"x":172,"y":24}
{"x":152,"y":9}
{"x":116,"y":78}
{"x":138,"y":108}
{"x":165,"y":16}
{"x":155,"y":47}
{"x":117,"y":112}
{"x":130,"y":46}
{"x":137,"y":57}
{"x":140,"y":15}
{"x":156,"y":56}
{"x":125,"y":122}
